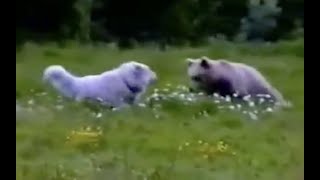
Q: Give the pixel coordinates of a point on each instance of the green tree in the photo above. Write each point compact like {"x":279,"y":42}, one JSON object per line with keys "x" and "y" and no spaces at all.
{"x":261,"y":19}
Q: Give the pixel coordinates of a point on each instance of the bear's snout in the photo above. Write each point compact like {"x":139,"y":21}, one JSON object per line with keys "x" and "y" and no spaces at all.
{"x":196,"y":78}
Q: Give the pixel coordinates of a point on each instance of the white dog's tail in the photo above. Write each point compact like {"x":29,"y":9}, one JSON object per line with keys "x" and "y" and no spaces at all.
{"x":61,"y":80}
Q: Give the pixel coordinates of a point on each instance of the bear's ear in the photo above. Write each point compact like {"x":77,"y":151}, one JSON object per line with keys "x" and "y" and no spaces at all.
{"x":189,"y":61}
{"x":205,"y":57}
{"x":205,"y":64}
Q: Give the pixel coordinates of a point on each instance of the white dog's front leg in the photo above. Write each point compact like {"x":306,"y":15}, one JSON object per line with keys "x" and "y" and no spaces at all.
{"x":133,"y":99}
{"x":120,"y":105}
{"x":137,"y":98}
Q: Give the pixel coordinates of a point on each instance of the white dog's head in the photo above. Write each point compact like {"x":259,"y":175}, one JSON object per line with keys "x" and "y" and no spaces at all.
{"x":54,"y":73}
{"x":137,"y":75}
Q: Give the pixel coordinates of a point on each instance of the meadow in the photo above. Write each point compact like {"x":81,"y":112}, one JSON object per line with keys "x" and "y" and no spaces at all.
{"x":60,"y":139}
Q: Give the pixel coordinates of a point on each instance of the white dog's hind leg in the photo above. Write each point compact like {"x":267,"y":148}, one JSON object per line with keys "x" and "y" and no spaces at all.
{"x":79,"y":98}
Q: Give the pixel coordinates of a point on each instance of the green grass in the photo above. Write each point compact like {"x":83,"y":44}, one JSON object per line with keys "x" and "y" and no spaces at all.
{"x":135,"y":144}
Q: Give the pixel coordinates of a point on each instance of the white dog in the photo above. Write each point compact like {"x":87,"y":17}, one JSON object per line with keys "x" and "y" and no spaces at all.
{"x":118,"y":87}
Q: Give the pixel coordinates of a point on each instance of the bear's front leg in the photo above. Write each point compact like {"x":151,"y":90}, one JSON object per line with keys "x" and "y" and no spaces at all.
{"x":223,"y":87}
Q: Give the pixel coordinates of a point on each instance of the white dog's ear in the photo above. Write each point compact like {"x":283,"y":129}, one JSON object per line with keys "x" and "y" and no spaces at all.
{"x":138,"y":71}
{"x":139,"y":68}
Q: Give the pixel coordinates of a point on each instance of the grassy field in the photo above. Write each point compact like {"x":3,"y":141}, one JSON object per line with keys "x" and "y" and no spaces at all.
{"x":56,"y":139}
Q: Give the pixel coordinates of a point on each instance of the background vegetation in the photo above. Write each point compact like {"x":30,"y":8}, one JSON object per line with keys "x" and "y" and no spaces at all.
{"x":178,"y":22}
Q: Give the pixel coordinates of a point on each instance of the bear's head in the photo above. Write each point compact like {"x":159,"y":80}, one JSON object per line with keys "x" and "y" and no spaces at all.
{"x":199,"y":69}
{"x":209,"y":75}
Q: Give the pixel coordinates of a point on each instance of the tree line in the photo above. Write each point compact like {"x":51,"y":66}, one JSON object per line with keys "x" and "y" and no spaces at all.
{"x":161,"y":21}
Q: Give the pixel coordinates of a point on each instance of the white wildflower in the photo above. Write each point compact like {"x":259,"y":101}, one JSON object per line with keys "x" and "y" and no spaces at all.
{"x":184,"y":88}
{"x":99,"y":99}
{"x":251,"y":104}
{"x":253,"y":116}
{"x":268,"y":96}
{"x":228,"y":99}
{"x":215,"y":95}
{"x":189,"y":99}
{"x":114,"y":109}
{"x":59,"y":107}
{"x":174,"y":94}
{"x":261,"y":100}
{"x":182,"y":96}
{"x":142,"y":105}
{"x":99,"y":115}
{"x":247,"y":97}
{"x":200,"y":93}
{"x":31,"y":102}
{"x":269,"y":109}
{"x":166,"y":90}
{"x":205,"y":113}
{"x":41,"y":94}
{"x":155,"y":95}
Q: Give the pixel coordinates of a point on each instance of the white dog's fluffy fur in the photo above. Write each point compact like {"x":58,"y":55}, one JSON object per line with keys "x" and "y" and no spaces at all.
{"x":118,"y":87}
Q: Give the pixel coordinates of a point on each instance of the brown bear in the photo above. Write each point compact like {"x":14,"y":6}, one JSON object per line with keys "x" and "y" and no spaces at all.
{"x":229,"y":79}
